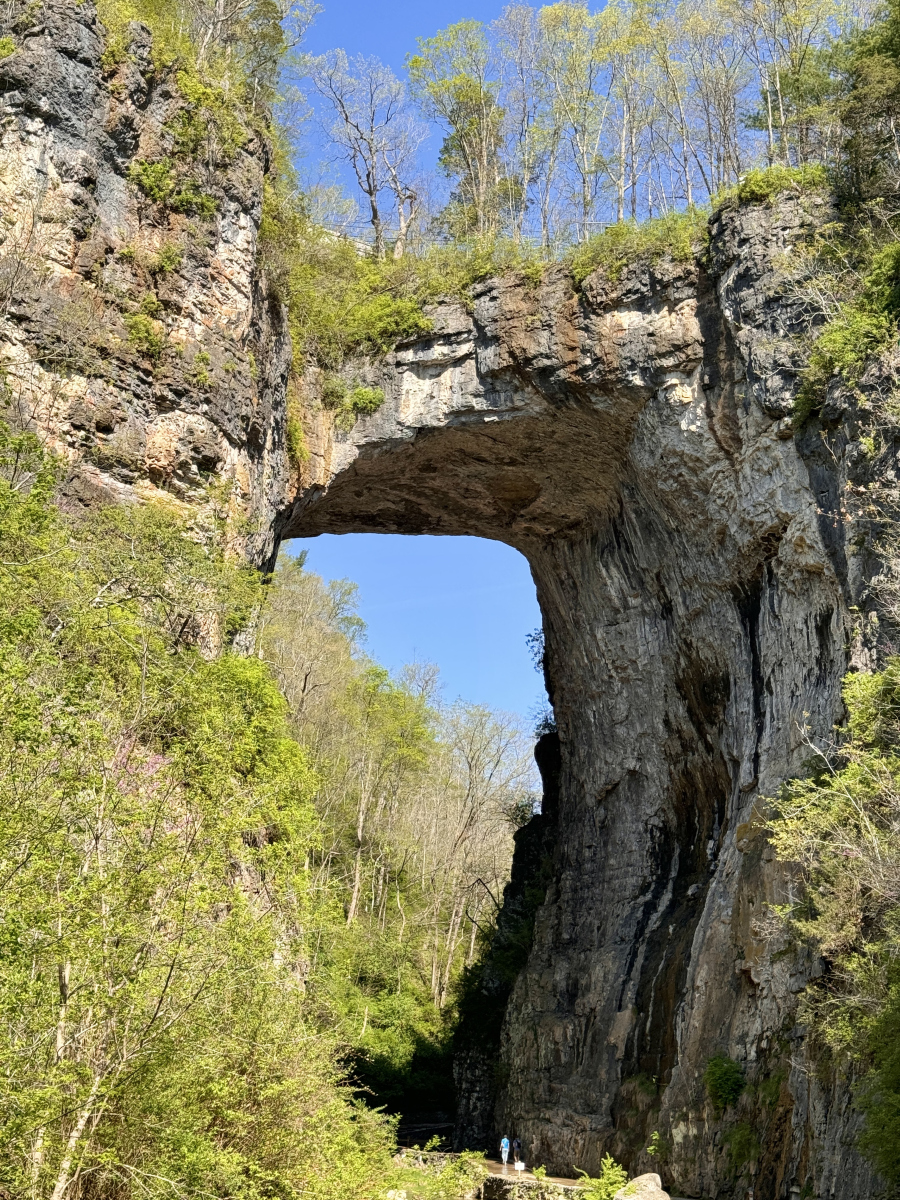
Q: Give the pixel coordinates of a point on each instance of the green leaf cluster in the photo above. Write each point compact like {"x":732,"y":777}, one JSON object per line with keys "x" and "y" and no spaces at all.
{"x":864,"y":326}
{"x":763,"y":185}
{"x":157,"y":915}
{"x":160,"y":183}
{"x":678,"y":235}
{"x":725,"y":1080}
{"x":612,"y":1177}
{"x":840,"y":826}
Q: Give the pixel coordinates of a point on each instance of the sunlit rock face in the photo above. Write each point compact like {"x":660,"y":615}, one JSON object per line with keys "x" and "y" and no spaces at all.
{"x":92,"y":271}
{"x":695,"y":575}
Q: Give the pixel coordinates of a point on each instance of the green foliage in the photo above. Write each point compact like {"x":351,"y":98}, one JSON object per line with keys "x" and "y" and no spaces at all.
{"x":146,"y":335}
{"x":209,"y":125}
{"x":161,"y":185}
{"x":612,"y":1177}
{"x":865,"y":325}
{"x":340,"y":302}
{"x":334,"y":392}
{"x":7,"y":47}
{"x":539,"y":1172}
{"x":155,"y":179}
{"x":657,"y":1146}
{"x":351,"y":403}
{"x":443,"y":1178}
{"x":764,"y":185}
{"x":840,"y":825}
{"x":150,"y":305}
{"x":743,"y":1145}
{"x":678,"y":235}
{"x":366,"y":400}
{"x":724,"y":1079}
{"x":241,"y":60}
{"x":145,"y":771}
{"x":450,"y":77}
{"x":190,"y":200}
{"x":167,"y":259}
{"x":298,"y":451}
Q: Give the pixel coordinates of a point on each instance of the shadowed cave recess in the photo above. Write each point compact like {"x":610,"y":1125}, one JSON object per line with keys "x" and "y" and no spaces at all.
{"x":634,"y":442}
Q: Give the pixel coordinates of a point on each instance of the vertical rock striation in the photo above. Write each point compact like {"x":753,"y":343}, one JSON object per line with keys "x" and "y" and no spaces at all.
{"x":139,"y":340}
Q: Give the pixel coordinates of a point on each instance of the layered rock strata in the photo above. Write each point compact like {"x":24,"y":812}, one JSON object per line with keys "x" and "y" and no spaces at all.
{"x":139,"y":341}
{"x":701,"y":602}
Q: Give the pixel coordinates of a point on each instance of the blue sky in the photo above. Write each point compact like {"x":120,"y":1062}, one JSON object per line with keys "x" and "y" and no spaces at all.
{"x":388,"y":29}
{"x":464,"y":603}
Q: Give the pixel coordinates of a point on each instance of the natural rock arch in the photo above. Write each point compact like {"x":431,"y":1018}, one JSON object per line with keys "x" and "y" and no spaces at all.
{"x":692,"y":557}
{"x":634,"y":442}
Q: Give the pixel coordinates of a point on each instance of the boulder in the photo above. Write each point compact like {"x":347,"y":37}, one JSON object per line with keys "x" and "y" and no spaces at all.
{"x":644,"y":1187}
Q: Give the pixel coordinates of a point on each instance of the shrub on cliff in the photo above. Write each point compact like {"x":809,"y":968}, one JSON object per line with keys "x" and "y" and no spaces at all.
{"x":724,"y":1079}
{"x":611,"y":1179}
{"x":840,"y":827}
{"x":678,"y":235}
{"x":855,"y":282}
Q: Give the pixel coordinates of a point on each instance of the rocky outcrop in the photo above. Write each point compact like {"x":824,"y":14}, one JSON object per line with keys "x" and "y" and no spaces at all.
{"x":140,"y":341}
{"x":702,"y":580}
{"x":644,"y":1187}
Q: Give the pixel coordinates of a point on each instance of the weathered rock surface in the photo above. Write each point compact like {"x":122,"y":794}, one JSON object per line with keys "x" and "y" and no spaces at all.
{"x":701,"y":572}
{"x":643,"y":1187}
{"x":84,"y":252}
{"x":696,"y":578}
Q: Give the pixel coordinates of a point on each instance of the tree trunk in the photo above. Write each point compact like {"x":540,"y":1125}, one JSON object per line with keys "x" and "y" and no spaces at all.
{"x":63,"y":1178}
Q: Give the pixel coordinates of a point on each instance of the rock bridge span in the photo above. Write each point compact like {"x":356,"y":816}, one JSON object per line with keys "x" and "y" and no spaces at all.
{"x":634,"y":441}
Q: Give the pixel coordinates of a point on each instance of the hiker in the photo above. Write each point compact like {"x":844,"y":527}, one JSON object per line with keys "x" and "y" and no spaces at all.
{"x":504,"y":1149}
{"x":517,"y":1150}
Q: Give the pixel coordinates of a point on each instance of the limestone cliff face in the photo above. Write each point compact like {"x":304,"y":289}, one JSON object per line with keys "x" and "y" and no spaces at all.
{"x":696,"y":576}
{"x":700,"y":569}
{"x":141,"y":342}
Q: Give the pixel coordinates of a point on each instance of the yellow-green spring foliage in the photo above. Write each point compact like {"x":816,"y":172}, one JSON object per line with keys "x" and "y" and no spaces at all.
{"x":763,"y":185}
{"x":679,"y":235}
{"x":841,"y":826}
{"x":864,"y":326}
{"x":611,"y":1179}
{"x":201,"y":907}
{"x":156,"y":825}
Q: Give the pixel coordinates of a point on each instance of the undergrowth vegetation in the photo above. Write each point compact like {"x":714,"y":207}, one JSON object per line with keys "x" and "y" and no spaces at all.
{"x":853,"y":286}
{"x":612,"y":1178}
{"x":840,"y":826}
{"x":219,"y":870}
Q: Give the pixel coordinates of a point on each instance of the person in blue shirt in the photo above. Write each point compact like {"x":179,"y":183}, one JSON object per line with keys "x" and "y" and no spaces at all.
{"x":504,"y":1149}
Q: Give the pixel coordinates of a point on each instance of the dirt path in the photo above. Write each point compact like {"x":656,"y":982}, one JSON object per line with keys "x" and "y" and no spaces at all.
{"x":496,"y":1167}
